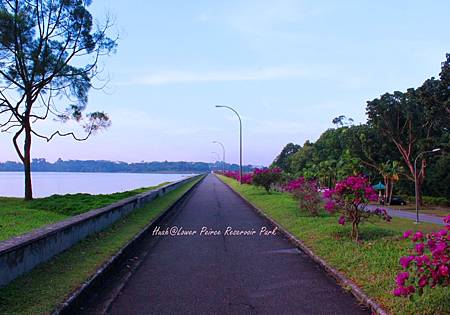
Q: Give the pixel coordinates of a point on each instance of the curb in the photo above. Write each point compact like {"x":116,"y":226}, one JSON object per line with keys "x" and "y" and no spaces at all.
{"x":342,"y":280}
{"x":70,"y":304}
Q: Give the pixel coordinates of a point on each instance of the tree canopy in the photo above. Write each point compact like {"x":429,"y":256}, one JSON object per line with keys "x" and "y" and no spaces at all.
{"x":400,"y":126}
{"x":49,"y":53}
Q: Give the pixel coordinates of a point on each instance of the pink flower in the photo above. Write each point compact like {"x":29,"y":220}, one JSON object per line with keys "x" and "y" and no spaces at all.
{"x":411,"y":289}
{"x":401,"y":278}
{"x":398,"y":291}
{"x":407,"y":234}
{"x":443,"y":270}
{"x":423,"y":281}
{"x":405,"y":260}
{"x":329,"y":206}
{"x":420,"y":247}
{"x":447,"y":219}
{"x":328,"y":193}
{"x":341,"y":220}
{"x":417,"y":236}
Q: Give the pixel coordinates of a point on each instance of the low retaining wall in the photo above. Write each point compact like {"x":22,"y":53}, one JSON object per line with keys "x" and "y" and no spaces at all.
{"x":21,"y":254}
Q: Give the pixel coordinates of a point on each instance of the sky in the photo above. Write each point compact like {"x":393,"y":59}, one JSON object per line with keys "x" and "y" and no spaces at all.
{"x":288,"y":68}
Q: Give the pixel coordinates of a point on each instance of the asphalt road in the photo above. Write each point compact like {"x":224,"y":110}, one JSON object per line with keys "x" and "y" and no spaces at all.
{"x":228,"y":274}
{"x":423,"y":217}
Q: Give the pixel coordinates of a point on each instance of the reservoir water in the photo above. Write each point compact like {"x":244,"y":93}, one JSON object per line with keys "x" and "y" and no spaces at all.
{"x":46,"y":183}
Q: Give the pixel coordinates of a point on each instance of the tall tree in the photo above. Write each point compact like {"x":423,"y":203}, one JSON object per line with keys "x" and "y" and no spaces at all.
{"x":445,"y":83}
{"x":283,"y":159}
{"x":403,"y":119}
{"x":49,"y":53}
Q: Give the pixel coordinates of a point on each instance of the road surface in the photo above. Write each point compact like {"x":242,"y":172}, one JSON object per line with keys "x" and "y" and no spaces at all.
{"x":410,"y":215}
{"x":227,"y":274}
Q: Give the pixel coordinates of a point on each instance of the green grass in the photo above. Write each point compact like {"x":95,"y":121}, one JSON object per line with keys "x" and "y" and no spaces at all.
{"x":42,"y":289}
{"x":372,"y":264}
{"x":18,"y":216}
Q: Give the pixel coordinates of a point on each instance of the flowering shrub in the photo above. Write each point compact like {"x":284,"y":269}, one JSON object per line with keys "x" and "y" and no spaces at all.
{"x":307,"y":193}
{"x":246,"y":177}
{"x":266,"y":177}
{"x":429,"y":263}
{"x":350,"y":198}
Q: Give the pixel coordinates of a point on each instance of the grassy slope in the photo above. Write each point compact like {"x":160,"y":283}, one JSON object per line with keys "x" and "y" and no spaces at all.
{"x":18,"y":217}
{"x":373,"y":264}
{"x":41,"y":290}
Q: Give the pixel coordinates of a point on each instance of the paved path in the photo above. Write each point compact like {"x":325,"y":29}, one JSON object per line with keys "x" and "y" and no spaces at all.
{"x":410,"y":215}
{"x":228,"y":274}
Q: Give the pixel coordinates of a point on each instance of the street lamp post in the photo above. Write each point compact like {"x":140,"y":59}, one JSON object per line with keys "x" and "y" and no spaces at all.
{"x":240,"y":138}
{"x":416,"y":184}
{"x":223,"y":155}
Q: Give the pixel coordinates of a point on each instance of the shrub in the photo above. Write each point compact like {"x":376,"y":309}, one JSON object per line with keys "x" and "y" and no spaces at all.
{"x":350,"y":198}
{"x":266,"y":177}
{"x":429,"y":263}
{"x":246,"y":177}
{"x":307,"y":193}
{"x":430,"y":201}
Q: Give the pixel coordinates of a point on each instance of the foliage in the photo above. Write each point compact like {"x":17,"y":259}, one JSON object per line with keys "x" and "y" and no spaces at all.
{"x":430,"y":201}
{"x":342,"y":120}
{"x":428,"y":265}
{"x":267,"y":177}
{"x":413,"y":121}
{"x":307,"y":193}
{"x":350,"y":198}
{"x":283,"y":159}
{"x":400,"y":125}
{"x":247,"y":178}
{"x":93,"y":166}
{"x":49,"y":52}
{"x":372,"y":263}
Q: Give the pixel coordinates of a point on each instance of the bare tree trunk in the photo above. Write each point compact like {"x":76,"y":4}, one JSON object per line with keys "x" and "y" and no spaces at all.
{"x":27,"y":161}
{"x":386,"y":189}
{"x":355,"y":232}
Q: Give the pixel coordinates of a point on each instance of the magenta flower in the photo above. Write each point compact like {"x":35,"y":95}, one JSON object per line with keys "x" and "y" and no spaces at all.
{"x":417,"y":236}
{"x":405,"y":260}
{"x":407,"y":234}
{"x":443,"y":270}
{"x":420,"y":247}
{"x":341,"y":220}
{"x":428,"y":266}
{"x":401,"y":278}
{"x":329,"y":206}
{"x":423,"y":281}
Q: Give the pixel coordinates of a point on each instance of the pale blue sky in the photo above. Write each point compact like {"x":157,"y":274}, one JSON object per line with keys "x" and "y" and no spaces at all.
{"x":289,"y":68}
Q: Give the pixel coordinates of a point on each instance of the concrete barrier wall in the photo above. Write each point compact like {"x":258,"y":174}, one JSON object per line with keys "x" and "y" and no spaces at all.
{"x":21,"y":254}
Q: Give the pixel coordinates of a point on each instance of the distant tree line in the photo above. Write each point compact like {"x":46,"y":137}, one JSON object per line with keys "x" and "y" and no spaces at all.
{"x":400,"y":126}
{"x":42,"y":165}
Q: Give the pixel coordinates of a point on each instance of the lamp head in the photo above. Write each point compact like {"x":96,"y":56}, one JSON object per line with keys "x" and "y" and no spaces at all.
{"x":436,"y":150}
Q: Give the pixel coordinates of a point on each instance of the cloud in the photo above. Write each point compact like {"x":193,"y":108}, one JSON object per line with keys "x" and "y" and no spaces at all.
{"x":174,"y":76}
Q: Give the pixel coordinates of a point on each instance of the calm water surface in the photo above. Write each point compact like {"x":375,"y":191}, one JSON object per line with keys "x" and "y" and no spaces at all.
{"x":46,"y":184}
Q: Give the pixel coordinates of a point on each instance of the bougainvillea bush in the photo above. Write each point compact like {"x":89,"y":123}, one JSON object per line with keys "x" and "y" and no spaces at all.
{"x":246,"y":177}
{"x":429,"y":263}
{"x":267,"y":177}
{"x":307,"y":193}
{"x":350,"y":198}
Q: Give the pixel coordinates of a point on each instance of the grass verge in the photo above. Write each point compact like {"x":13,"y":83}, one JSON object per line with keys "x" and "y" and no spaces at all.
{"x":371,"y":264}
{"x":18,"y":216}
{"x":42,"y":289}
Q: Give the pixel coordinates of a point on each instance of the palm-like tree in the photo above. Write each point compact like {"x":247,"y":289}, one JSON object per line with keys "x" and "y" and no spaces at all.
{"x":390,"y":171}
